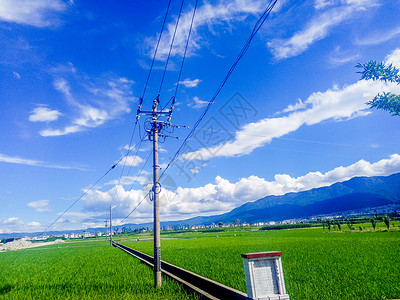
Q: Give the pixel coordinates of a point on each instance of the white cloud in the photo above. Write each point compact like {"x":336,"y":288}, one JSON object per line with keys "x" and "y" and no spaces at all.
{"x":131,"y":161}
{"x":44,"y":114}
{"x":297,"y":106}
{"x":124,"y":200}
{"x":195,"y":170}
{"x":129,"y":180}
{"x":340,"y":57}
{"x":318,"y":4}
{"x":61,"y":85}
{"x":128,"y":148}
{"x":36,"y":163}
{"x":222,"y":195}
{"x":39,"y":13}
{"x":190,"y":83}
{"x":16,"y":75}
{"x":336,"y":60}
{"x":318,"y":28}
{"x":40,"y":205}
{"x":334,"y":104}
{"x":13,"y":221}
{"x":15,"y":224}
{"x":58,"y":132}
{"x":93,"y":102}
{"x":394,"y":58}
{"x":208,"y":15}
{"x":198,"y":103}
{"x":34,"y":224}
{"x":379,"y":37}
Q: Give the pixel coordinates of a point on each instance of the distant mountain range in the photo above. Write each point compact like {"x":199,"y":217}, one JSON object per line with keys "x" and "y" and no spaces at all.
{"x":354,"y":194}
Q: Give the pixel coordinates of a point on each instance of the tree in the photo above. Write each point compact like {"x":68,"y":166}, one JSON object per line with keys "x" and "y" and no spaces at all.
{"x":373,"y":222}
{"x":328,"y":224}
{"x":386,"y":220}
{"x":339,"y":225}
{"x":379,"y":71}
{"x":350,"y":224}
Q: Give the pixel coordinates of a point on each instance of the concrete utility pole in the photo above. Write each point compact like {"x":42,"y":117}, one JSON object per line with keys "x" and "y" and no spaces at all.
{"x":106,"y":228}
{"x":110,"y":225}
{"x":156,"y":193}
{"x":154,"y":132}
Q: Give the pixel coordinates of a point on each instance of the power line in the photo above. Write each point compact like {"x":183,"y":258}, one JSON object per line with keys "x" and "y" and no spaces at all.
{"x":129,"y":170}
{"x":79,"y":198}
{"x":256,"y":28}
{"x":92,"y":186}
{"x":170,"y":48}
{"x":155,"y":50}
{"x":183,"y":61}
{"x":148,"y":194}
{"x":135,"y":181}
{"x":137,"y":146}
{"x":177,"y":85}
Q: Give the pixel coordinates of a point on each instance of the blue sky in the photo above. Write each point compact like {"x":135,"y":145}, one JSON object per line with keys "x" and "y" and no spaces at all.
{"x":291,"y":117}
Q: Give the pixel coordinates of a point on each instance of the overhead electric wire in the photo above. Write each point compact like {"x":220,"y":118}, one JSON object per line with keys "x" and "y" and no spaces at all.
{"x":177,"y":85}
{"x":93,"y":185}
{"x":126,"y":155}
{"x":135,"y":207}
{"x":256,"y":28}
{"x":186,"y":47}
{"x":170,"y":48}
{"x":163,"y":76}
{"x":183,"y":59}
{"x":79,"y":198}
{"x":130,"y":167}
{"x":156,"y":49}
{"x":120,"y":222}
{"x":137,"y":147}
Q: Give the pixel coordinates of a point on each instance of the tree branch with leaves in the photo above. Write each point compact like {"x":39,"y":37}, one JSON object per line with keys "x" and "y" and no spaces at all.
{"x":388,"y":73}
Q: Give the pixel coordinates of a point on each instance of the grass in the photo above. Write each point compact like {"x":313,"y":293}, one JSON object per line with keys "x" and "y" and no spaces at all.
{"x":317,"y":264}
{"x":80,"y":270}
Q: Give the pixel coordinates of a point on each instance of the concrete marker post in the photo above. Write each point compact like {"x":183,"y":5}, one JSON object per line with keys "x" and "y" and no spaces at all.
{"x":264,"y":276}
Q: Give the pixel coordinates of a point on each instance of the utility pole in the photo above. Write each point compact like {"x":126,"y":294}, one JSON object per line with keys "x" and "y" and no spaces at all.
{"x":156,"y":193}
{"x":154,"y":132}
{"x":106,"y":228}
{"x":110,"y":225}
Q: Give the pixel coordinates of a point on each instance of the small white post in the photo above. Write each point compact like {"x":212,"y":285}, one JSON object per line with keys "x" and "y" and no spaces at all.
{"x":264,"y":276}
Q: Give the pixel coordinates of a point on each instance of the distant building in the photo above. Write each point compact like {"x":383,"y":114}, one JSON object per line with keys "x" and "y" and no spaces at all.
{"x":87,"y":234}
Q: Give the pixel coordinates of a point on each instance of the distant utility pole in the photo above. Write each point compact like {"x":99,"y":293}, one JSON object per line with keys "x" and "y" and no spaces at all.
{"x":110,"y":225}
{"x":106,"y":228}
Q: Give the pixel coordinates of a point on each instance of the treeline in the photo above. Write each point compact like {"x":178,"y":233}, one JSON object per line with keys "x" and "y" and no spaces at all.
{"x":352,"y":222}
{"x":290,"y":226}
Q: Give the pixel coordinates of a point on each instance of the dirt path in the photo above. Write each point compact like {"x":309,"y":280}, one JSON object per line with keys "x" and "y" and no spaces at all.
{"x":23,"y":244}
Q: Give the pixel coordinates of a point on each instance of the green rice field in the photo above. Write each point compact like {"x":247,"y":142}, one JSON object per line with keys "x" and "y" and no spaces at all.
{"x":80,"y":270}
{"x":317,"y":264}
